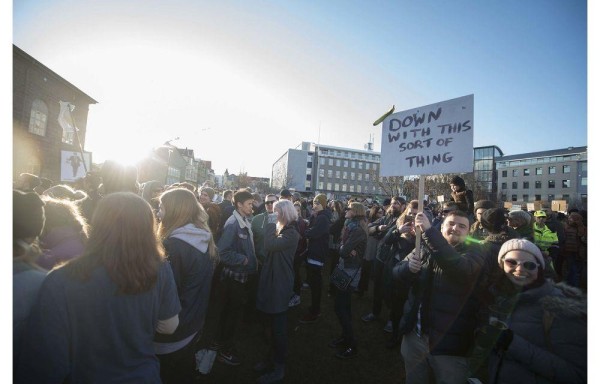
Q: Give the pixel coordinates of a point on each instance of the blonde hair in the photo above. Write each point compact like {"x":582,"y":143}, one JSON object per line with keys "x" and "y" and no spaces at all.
{"x":287,"y":213}
{"x":181,"y":207}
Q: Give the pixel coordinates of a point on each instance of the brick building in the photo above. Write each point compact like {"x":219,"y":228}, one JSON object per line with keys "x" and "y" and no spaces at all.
{"x":39,"y":143}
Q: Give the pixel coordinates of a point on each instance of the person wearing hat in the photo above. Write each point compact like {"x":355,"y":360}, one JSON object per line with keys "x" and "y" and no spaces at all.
{"x":477,"y":231}
{"x":317,"y":235}
{"x":28,"y":223}
{"x":462,"y":196}
{"x":544,"y":338}
{"x":285,"y":194}
{"x":520,"y":221}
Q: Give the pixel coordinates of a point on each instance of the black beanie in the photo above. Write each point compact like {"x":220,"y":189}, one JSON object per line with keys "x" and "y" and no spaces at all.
{"x":493,"y":219}
{"x":457,"y":180}
{"x":28,"y":214}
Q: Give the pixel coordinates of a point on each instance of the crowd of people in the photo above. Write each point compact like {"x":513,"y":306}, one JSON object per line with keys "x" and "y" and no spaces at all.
{"x":114,"y":281}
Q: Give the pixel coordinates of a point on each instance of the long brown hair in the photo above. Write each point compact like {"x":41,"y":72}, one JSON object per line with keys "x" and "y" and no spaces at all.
{"x":360,"y":214}
{"x":180,"y":208}
{"x":122,"y":240}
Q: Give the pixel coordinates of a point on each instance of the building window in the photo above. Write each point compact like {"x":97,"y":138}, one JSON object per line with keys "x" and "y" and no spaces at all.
{"x":351,"y":188}
{"x":353,"y":164}
{"x":504,"y":185}
{"x":344,"y":187}
{"x":309,"y":164}
{"x":566,"y":197}
{"x":337,"y":174}
{"x":566,"y":183}
{"x":552,"y":170}
{"x":538,"y":184}
{"x":330,"y":173}
{"x":566,"y":169}
{"x":330,"y":162}
{"x":538,"y":171}
{"x":322,"y":161}
{"x":584,"y":181}
{"x":346,"y":163}
{"x":320,"y":185}
{"x":329,"y":186}
{"x":550,"y":197}
{"x":360,"y":165}
{"x":345,"y":175}
{"x":504,"y":173}
{"x":367,"y":177}
{"x":367,"y":166}
{"x":513,"y":198}
{"x":515,"y":185}
{"x":359,"y":188}
{"x":550,"y":183}
{"x":337,"y":187}
{"x":375,"y":167}
{"x":352,"y":175}
{"x":321,"y":172}
{"x":338,"y":162}
{"x":359,"y":176}
{"x":515,"y":172}
{"x":526,"y":185}
{"x":526,"y":172}
{"x":308,"y":177}
{"x":39,"y":118}
{"x":526,"y":198}
{"x":538,"y":197}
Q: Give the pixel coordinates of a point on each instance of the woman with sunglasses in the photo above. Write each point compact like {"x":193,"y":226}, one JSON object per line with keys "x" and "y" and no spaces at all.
{"x":544,"y":338}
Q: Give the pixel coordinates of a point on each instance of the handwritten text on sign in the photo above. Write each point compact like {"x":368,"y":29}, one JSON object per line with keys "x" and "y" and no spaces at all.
{"x":436,"y":138}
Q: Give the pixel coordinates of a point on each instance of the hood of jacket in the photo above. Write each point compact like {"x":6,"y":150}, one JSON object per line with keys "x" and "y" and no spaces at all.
{"x":194,"y":236}
{"x":571,"y":303}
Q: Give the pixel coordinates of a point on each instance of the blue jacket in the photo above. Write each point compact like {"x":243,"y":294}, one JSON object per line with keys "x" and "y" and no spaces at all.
{"x":235,"y":246}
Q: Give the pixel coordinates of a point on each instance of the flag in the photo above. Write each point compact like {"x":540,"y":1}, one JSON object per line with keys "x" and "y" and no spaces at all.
{"x":65,"y":119}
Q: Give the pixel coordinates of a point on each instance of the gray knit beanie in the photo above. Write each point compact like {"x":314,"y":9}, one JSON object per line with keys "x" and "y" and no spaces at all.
{"x":524,"y":246}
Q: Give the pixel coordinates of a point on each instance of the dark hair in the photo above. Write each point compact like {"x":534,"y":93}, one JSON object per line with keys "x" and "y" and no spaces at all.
{"x":242,"y":195}
{"x":457,"y":180}
{"x":458,"y":213}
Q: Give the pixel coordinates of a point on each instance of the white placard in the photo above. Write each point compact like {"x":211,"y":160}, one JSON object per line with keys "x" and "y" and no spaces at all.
{"x":433,"y":139}
{"x":71,"y":165}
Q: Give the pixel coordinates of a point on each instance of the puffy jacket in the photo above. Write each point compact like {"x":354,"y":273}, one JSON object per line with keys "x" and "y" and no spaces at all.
{"x":545,"y":351}
{"x":317,"y":234}
{"x":444,"y":287}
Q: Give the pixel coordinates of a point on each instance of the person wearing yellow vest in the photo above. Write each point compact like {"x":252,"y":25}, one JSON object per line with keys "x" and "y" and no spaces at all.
{"x":545,"y":239}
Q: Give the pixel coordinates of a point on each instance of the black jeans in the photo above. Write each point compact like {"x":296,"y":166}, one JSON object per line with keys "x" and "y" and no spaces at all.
{"x":377,"y":287}
{"x":275,"y":325}
{"x":298,"y":260}
{"x":315,"y":280}
{"x":365,"y":275}
{"x":179,"y":366}
{"x":343,"y":310}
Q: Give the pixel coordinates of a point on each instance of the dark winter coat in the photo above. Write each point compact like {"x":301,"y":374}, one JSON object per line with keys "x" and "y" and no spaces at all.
{"x":187,"y":250}
{"x":354,"y":239}
{"x":444,"y":287}
{"x":545,"y":351}
{"x":276,"y":281}
{"x":317,"y":234}
{"x":464,"y":200}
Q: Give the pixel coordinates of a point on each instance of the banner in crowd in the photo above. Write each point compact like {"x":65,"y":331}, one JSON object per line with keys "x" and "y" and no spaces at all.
{"x":71,"y":165}
{"x":433,"y":139}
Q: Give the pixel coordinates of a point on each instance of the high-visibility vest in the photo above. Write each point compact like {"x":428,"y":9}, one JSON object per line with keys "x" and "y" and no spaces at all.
{"x":544,"y":237}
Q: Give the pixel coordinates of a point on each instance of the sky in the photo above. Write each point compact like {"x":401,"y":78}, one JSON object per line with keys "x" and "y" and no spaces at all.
{"x":241,"y":82}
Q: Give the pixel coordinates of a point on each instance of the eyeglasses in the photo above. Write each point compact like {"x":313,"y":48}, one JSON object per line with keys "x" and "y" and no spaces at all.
{"x":270,"y":202}
{"x":528,"y":265}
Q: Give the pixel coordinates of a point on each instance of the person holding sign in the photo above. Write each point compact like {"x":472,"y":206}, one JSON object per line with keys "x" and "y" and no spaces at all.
{"x":440,"y":313}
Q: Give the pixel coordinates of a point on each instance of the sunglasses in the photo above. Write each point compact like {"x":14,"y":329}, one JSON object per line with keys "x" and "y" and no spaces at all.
{"x":271,"y":202}
{"x":528,"y":265}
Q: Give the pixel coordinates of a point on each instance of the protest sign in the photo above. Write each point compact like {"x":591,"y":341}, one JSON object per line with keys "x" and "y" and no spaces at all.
{"x":432,"y":139}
